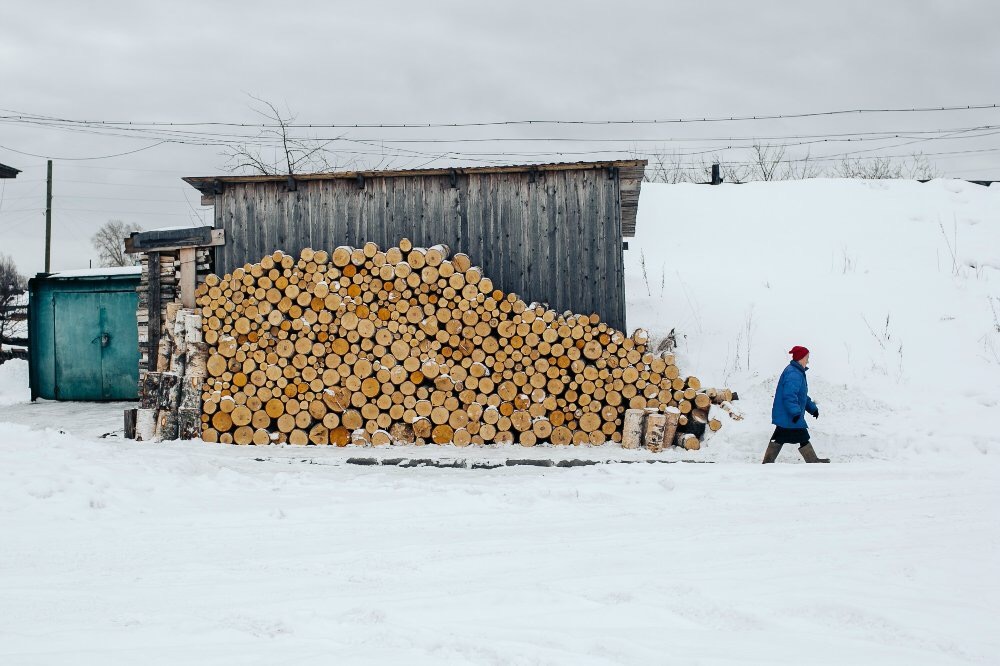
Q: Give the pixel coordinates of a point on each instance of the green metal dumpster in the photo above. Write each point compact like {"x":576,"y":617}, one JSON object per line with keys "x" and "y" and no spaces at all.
{"x":83,"y":338}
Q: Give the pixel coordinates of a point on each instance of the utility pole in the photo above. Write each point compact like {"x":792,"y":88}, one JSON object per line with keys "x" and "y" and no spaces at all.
{"x":48,"y":220}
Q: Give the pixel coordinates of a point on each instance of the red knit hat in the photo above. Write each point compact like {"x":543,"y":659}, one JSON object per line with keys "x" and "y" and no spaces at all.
{"x":798,"y":353}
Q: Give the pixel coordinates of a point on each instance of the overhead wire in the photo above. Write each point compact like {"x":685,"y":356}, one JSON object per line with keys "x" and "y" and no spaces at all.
{"x":225,"y":140}
{"x":163,"y":132}
{"x":70,"y":159}
{"x":539,"y":121}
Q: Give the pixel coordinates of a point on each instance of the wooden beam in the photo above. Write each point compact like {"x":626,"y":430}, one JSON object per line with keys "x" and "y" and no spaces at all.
{"x":130,"y":423}
{"x":174,"y":239}
{"x":153,"y":305}
{"x":188,"y":273}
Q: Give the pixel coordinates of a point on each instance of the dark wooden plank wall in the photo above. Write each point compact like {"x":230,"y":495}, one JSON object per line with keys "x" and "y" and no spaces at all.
{"x":552,"y":236}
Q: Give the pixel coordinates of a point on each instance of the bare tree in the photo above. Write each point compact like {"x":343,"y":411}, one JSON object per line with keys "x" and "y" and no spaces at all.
{"x":276,"y":151}
{"x":918,"y":167}
{"x":765,"y":162}
{"x":109,"y":241}
{"x":668,"y":167}
{"x":12,"y":286}
{"x":802,"y":169}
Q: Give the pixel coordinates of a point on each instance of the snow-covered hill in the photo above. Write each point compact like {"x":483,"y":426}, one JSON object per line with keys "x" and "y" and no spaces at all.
{"x":115,"y":552}
{"x":893,"y":285}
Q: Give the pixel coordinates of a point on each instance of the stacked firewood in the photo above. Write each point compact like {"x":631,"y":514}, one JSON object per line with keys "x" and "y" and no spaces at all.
{"x":657,"y":429}
{"x":170,"y":394}
{"x":159,"y":288}
{"x":413,"y":345}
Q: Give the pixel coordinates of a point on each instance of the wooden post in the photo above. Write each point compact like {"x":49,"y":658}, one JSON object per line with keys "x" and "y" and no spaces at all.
{"x":48,"y":219}
{"x":153,"y":305}
{"x":130,"y":415}
{"x":716,"y":174}
{"x":188,"y":272}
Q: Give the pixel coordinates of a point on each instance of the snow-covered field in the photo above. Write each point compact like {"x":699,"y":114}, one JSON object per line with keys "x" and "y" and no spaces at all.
{"x":119,"y":553}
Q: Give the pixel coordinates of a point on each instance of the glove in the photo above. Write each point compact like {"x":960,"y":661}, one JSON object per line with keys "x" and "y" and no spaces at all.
{"x":795,"y":419}
{"x":815,"y":413}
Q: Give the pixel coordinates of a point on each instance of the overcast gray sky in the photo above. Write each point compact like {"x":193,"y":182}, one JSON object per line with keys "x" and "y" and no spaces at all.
{"x":412,"y":62}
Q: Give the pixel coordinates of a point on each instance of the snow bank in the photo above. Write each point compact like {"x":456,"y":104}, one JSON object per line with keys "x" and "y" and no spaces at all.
{"x":14,"y":382}
{"x":893,"y":285}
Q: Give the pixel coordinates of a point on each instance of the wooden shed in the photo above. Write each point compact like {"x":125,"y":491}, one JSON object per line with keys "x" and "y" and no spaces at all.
{"x":552,"y":233}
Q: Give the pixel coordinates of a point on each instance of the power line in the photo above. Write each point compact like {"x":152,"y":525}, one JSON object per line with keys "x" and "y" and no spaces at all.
{"x":104,"y":184}
{"x":806,"y":139}
{"x":93,"y":210}
{"x":17,"y":115}
{"x":102,"y":157}
{"x":823,"y":158}
{"x":219,"y":139}
{"x":395,"y":152}
{"x":394,"y":149}
{"x":22,"y":210}
{"x":88,"y":196}
{"x":121,"y":212}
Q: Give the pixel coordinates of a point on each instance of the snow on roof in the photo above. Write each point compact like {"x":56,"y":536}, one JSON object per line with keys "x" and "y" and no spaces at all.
{"x":98,"y":272}
{"x":180,"y":227}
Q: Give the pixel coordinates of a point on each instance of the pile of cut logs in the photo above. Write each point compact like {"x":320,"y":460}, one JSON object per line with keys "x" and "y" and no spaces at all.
{"x":170,"y":393}
{"x":414,"y":345}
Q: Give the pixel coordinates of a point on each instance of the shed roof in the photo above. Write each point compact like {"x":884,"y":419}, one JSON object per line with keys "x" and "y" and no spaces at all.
{"x":630,"y":174}
{"x":104,"y":273}
{"x":8,"y":171}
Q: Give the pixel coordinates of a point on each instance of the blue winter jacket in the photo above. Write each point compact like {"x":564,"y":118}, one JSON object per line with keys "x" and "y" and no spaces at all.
{"x":792,"y":398}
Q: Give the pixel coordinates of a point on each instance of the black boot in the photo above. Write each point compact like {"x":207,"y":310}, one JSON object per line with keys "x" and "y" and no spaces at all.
{"x":773,"y":449}
{"x":809,"y":454}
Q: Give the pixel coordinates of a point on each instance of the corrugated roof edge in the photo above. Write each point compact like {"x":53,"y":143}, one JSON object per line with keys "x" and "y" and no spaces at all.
{"x":199,"y":181}
{"x":630,"y":175}
{"x":117,"y":271}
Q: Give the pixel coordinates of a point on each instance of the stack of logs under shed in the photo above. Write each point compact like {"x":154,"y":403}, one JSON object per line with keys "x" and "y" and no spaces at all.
{"x":170,"y":404}
{"x":159,"y":289}
{"x":412,"y":345}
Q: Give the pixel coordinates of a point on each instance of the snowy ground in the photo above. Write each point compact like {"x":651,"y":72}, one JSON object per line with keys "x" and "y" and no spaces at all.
{"x":184,"y":553}
{"x":122,"y":553}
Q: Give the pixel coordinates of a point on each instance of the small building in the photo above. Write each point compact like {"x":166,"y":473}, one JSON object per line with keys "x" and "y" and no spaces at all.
{"x":83,"y":339}
{"x":551,"y":233}
{"x":8,"y":171}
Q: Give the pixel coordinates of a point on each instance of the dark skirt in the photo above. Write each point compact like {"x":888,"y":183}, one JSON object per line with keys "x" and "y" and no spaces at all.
{"x":790,"y":435}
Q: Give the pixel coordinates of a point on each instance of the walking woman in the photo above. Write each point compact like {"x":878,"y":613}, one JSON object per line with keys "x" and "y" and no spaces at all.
{"x":791,"y":403}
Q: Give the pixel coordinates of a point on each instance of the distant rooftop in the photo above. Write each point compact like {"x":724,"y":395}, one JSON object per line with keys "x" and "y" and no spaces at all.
{"x":8,"y":172}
